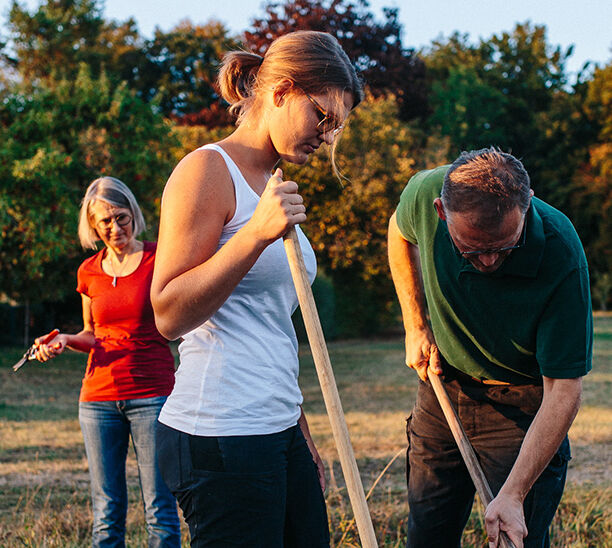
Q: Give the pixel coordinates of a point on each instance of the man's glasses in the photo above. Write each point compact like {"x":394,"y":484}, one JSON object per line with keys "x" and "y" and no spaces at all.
{"x":328,"y":122}
{"x":122,"y":219}
{"x":494,"y":251}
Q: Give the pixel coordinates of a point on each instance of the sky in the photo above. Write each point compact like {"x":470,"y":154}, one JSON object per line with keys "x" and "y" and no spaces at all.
{"x":585,"y":24}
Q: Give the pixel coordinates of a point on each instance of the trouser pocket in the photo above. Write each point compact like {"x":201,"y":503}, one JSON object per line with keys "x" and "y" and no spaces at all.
{"x":173,"y":459}
{"x":408,"y":430}
{"x":206,"y":454}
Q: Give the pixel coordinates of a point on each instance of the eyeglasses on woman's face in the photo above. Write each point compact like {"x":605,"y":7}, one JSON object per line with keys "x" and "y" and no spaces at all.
{"x":328,"y":121}
{"x":122,"y":219}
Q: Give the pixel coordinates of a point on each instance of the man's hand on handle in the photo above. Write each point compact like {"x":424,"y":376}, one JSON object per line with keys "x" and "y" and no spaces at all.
{"x":505,"y":513}
{"x":422,"y":354}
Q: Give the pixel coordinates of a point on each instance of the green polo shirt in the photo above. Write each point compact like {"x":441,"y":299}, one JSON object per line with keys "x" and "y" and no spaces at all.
{"x":531,"y":317}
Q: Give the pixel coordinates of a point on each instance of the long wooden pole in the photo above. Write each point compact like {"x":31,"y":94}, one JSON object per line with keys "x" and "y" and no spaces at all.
{"x":466,"y":449}
{"x":329,"y":390}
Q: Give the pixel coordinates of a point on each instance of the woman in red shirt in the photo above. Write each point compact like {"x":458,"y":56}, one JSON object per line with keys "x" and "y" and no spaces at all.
{"x":130,"y":370}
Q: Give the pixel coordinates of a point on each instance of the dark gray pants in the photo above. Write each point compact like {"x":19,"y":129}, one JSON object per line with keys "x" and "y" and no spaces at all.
{"x":440,"y":490}
{"x":245,"y":491}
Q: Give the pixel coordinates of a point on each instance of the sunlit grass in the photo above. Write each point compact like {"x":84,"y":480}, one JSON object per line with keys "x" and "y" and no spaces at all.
{"x":43,"y":470}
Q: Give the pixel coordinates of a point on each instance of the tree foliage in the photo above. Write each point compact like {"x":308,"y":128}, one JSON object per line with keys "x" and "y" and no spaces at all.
{"x":177,"y":68}
{"x":347,"y":221}
{"x":493,"y":92}
{"x":53,"y":142}
{"x":52,"y":41}
{"x":591,"y":198}
{"x":375,"y":47}
{"x":82,"y":96}
{"x":182,"y":69}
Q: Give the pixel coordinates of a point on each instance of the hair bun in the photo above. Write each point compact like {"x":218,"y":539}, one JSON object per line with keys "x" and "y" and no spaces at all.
{"x":238,"y":75}
{"x":313,"y":61}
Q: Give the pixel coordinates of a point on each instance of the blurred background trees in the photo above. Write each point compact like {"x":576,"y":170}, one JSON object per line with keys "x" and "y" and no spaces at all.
{"x":54,"y":140}
{"x":82,"y":96}
{"x":375,"y":47}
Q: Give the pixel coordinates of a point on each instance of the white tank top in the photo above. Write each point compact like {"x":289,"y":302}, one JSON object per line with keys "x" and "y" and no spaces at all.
{"x":238,"y":372}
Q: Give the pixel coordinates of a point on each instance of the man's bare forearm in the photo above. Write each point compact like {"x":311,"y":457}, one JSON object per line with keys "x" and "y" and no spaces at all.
{"x":559,"y":406}
{"x":405,"y":268}
{"x":421,"y":349}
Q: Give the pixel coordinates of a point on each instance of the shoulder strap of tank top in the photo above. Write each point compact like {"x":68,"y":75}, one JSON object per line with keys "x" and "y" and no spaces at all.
{"x":246,"y":198}
{"x":235,"y":172}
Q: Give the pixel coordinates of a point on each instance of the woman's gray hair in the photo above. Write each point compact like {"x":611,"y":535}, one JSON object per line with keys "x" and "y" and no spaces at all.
{"x":113,"y":192}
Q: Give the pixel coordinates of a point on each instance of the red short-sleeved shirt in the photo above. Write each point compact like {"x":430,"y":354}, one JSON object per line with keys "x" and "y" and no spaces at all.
{"x":130,"y":358}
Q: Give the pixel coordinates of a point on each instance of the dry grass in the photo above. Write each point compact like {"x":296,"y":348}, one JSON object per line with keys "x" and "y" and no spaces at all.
{"x":43,"y":470}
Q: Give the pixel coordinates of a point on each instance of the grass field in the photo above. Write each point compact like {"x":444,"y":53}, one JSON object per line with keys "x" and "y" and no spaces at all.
{"x":43,"y":471}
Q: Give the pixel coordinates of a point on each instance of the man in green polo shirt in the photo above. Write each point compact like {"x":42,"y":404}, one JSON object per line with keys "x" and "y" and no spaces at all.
{"x":504,"y":279}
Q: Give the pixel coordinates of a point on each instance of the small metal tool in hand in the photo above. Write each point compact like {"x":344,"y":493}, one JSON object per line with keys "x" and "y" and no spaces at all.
{"x":31,"y":352}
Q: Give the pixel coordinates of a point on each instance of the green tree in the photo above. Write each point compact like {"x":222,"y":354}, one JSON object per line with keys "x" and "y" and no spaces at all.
{"x":53,"y":142}
{"x":591,"y":196}
{"x":182,"y":69}
{"x":562,"y":145}
{"x":374,"y":47}
{"x":347,"y":222}
{"x":493,"y":92}
{"x":467,"y":109}
{"x":177,"y":69}
{"x":52,"y":41}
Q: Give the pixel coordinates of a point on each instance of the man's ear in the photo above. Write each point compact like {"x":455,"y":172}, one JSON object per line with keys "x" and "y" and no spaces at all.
{"x":281,"y":89}
{"x":439,"y":209}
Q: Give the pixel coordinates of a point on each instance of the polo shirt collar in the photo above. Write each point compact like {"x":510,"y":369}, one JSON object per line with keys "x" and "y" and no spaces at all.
{"x":524,"y":261}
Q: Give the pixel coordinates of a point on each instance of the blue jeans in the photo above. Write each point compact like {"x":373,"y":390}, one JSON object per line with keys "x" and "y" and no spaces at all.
{"x":258,"y":491}
{"x":440,"y":490}
{"x":106,"y":427}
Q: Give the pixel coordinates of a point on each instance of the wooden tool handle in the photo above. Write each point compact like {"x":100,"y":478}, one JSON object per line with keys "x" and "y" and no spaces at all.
{"x":467,"y":452}
{"x":329,"y":390}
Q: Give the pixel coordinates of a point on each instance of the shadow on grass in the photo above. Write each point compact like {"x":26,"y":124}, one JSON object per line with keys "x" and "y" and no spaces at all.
{"x":38,"y":392}
{"x":31,"y":453}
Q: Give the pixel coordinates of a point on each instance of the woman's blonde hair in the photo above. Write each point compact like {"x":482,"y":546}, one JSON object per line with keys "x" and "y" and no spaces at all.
{"x":314,"y":61}
{"x":113,"y":192}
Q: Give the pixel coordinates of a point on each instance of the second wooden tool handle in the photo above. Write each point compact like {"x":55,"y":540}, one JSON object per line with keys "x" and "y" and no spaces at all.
{"x":466,"y":449}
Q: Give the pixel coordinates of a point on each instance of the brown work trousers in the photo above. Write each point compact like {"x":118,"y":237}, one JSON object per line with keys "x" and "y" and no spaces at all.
{"x":440,"y":490}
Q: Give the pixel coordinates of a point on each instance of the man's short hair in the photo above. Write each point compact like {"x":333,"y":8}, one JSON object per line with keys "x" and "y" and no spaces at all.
{"x":488,"y":182}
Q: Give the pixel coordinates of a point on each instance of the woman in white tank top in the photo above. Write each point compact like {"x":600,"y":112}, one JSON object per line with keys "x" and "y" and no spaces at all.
{"x":233,"y":442}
